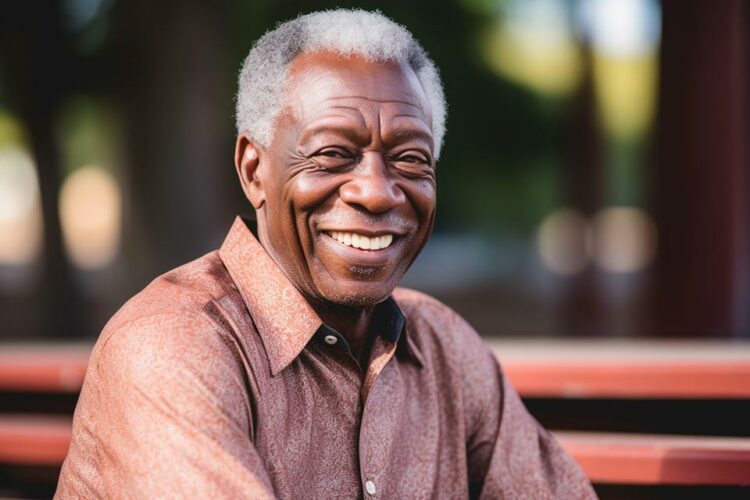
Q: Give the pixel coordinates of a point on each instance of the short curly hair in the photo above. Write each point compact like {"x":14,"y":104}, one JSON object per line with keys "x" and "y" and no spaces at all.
{"x":349,"y":32}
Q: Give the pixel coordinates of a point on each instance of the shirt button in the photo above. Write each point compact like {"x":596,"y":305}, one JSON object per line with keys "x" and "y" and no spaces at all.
{"x":330,"y":339}
{"x":370,"y":487}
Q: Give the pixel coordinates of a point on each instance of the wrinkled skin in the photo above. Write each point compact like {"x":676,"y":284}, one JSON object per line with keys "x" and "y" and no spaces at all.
{"x":352,"y":152}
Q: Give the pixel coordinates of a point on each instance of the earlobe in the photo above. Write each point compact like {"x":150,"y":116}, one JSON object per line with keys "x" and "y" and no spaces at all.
{"x":247,"y":161}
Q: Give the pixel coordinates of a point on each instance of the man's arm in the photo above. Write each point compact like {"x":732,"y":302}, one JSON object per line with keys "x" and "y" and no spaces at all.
{"x":164,"y":412}
{"x":519,"y":458}
{"x":509,"y":454}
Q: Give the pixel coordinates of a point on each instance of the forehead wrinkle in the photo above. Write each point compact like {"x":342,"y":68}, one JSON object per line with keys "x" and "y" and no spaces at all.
{"x":406,"y":115}
{"x":321,"y":113}
{"x":379,"y":101}
{"x":340,"y":113}
{"x":320,"y":109}
{"x":351,"y":108}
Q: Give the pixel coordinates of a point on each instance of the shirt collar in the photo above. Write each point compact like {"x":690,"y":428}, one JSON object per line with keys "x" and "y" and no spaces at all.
{"x":284,"y":319}
{"x":390,"y":324}
{"x":282,"y":316}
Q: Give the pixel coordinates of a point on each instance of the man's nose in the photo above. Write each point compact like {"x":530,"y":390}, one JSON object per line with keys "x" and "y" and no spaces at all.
{"x":372,"y":186}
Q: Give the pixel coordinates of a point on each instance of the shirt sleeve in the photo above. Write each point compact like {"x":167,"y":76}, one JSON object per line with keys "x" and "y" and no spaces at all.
{"x":164,"y":412}
{"x":509,"y":454}
{"x":525,"y":460}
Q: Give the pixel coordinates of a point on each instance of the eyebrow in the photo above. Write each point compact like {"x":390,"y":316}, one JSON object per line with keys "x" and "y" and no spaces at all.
{"x":340,"y":124}
{"x":358,"y":134}
{"x":414,"y":134}
{"x":417,"y":129}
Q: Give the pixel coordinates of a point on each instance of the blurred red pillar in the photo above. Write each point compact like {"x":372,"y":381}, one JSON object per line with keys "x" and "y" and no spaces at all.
{"x":701,"y":177}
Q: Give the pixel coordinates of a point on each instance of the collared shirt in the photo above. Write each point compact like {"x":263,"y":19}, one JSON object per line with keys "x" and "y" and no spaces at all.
{"x":220,"y":381}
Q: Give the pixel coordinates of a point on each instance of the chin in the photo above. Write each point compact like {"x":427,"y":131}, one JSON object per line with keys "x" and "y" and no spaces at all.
{"x":357,"y":294}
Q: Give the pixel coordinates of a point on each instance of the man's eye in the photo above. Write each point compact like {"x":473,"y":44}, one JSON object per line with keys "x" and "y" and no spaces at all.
{"x":412,"y":163}
{"x":412,"y":159}
{"x":333,"y":158}
{"x":334,"y":153}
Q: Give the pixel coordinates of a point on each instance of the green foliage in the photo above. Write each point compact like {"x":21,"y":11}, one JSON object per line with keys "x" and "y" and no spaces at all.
{"x":86,"y":132}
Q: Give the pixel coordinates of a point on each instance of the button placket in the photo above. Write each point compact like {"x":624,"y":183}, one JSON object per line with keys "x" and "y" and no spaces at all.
{"x":372,"y":458}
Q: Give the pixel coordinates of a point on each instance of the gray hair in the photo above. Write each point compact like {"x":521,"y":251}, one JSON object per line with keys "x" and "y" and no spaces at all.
{"x":370,"y":35}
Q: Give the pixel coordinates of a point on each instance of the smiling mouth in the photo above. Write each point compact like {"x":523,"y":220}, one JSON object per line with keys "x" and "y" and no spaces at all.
{"x":362,"y":241}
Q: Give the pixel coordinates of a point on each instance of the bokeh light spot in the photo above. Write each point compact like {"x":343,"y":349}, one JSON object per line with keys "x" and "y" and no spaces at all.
{"x":624,"y":239}
{"x":533,"y":45}
{"x":20,"y":210}
{"x":563,"y":241}
{"x":90,"y":213}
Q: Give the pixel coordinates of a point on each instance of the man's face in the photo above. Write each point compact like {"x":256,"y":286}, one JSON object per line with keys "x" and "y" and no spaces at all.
{"x":348,"y":183}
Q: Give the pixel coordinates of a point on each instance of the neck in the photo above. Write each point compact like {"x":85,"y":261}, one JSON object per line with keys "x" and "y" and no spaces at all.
{"x":351,"y":322}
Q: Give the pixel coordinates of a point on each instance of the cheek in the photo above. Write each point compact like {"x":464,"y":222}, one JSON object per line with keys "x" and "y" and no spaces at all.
{"x":422,"y":196}
{"x":307,"y":192}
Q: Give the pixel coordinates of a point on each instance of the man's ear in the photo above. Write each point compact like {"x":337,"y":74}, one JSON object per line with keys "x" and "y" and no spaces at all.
{"x":246,"y":161}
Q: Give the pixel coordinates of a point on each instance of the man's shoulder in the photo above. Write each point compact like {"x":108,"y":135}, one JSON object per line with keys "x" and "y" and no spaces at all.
{"x":181,"y":292}
{"x":436,"y":325}
{"x":169,"y":314}
{"x":454,"y":349}
{"x":160,"y":359}
{"x":410,"y":298}
{"x":418,"y":305}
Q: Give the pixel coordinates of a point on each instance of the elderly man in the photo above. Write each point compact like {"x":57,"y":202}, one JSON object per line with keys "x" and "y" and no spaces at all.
{"x":287,"y":364}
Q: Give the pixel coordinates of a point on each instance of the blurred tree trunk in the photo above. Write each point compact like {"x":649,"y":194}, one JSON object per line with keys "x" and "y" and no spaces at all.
{"x":178,"y":117}
{"x":39,"y":66}
{"x":583,"y":306}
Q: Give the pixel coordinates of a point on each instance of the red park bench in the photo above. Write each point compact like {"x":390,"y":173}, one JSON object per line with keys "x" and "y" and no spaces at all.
{"x":545,"y":370}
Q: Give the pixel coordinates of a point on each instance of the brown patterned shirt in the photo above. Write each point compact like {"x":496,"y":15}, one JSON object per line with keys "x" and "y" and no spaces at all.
{"x":220,"y":381}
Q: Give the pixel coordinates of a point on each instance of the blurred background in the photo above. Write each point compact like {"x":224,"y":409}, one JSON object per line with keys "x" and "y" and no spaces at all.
{"x":594,"y":180}
{"x":593,"y":200}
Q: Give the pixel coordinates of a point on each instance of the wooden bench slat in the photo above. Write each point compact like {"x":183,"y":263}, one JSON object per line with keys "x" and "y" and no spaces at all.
{"x":626,"y":369}
{"x":49,"y":367}
{"x":659,"y":459}
{"x":34,"y":440}
{"x":605,"y":457}
{"x":630,"y":380}
{"x":540,"y":368}
{"x":43,"y":373}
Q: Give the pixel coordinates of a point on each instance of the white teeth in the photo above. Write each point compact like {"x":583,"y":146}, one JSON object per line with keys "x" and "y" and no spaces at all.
{"x":361,"y":241}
